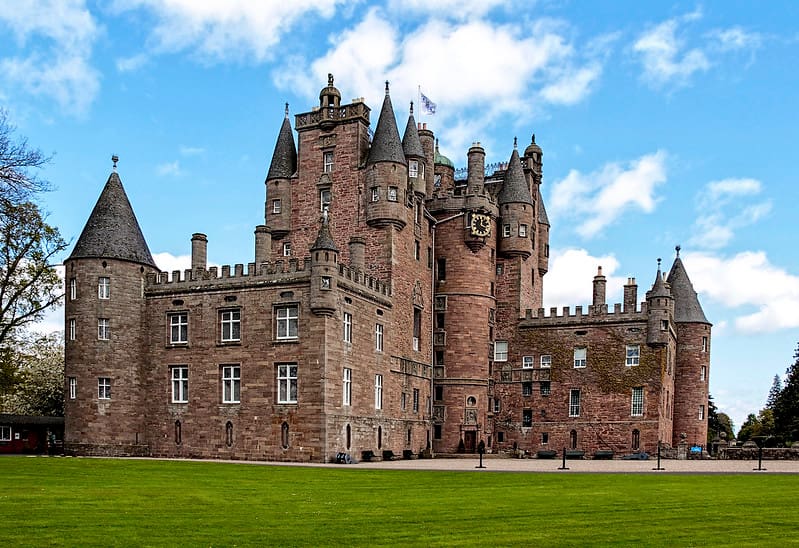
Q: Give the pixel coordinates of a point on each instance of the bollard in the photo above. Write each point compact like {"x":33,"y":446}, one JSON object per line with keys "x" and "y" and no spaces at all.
{"x":659,"y":467}
{"x":759,"y":461}
{"x":563,"y":466}
{"x":481,"y":448}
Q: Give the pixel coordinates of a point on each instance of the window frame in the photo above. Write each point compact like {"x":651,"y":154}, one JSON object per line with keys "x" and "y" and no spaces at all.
{"x":328,"y":161}
{"x":103,"y":329}
{"x":527,"y":418}
{"x":637,"y":401}
{"x":288,"y":321}
{"x":500,"y":355}
{"x":522,"y":230}
{"x":575,"y":396}
{"x":231,"y":383}
{"x":393,"y":194}
{"x":506,"y":231}
{"x":73,"y":289}
{"x":346,"y":387}
{"x":103,"y":288}
{"x":103,"y":388}
{"x":580,"y":357}
{"x":545,"y":388}
{"x":232,"y":323}
{"x":179,"y":381}
{"x":325,"y":198}
{"x":287,"y":249}
{"x":72,"y":387}
{"x":6,"y":432}
{"x":72,"y":331}
{"x":179,"y":327}
{"x":528,"y":362}
{"x":415,"y":400}
{"x":545,"y":361}
{"x":635,"y":359}
{"x":347,"y":327}
{"x":413,"y":168}
{"x":379,"y":336}
{"x":378,"y":391}
{"x":288,"y":375}
{"x":375,"y":191}
{"x":277,"y":206}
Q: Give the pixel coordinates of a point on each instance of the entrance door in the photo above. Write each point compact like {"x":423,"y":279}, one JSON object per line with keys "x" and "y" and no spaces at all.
{"x":470,"y":441}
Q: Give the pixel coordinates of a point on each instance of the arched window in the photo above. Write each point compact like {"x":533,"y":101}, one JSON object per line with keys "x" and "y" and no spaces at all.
{"x":471,"y":401}
{"x":229,"y":434}
{"x":573,"y":439}
{"x":284,"y":435}
{"x":349,"y":437}
{"x":178,"y":433}
{"x":636,"y":440}
{"x":379,"y":437}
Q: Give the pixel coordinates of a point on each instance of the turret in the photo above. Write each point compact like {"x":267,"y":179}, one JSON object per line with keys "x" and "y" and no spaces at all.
{"x":476,"y":169}
{"x":660,"y":311}
{"x":324,"y":270}
{"x":600,"y":286}
{"x":386,"y":172}
{"x":278,"y":181}
{"x":428,"y":146}
{"x":263,"y":244}
{"x":516,"y":211}
{"x":104,"y":309}
{"x":444,"y":171}
{"x":534,"y":160}
{"x":415,"y":155}
{"x":199,"y":252}
{"x":542,"y":240}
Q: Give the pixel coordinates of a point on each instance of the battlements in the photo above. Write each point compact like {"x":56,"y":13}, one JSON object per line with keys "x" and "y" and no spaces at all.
{"x":592,"y":314}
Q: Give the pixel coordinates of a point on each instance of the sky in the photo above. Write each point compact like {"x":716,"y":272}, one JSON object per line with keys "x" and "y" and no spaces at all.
{"x":662,"y":124}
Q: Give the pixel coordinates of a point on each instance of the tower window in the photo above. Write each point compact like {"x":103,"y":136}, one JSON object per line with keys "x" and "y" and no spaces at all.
{"x":637,"y":407}
{"x":325,"y":197}
{"x":505,"y":231}
{"x":417,"y":329}
{"x":277,"y":206}
{"x":104,"y":287}
{"x":72,"y":329}
{"x":392,"y":194}
{"x":441,"y":269}
{"x":413,"y":168}
{"x":704,"y":344}
{"x":375,"y":194}
{"x":523,"y":231}
{"x":328,"y":162}
{"x":104,"y":329}
{"x":73,"y":289}
{"x":104,"y":388}
{"x":633,"y":355}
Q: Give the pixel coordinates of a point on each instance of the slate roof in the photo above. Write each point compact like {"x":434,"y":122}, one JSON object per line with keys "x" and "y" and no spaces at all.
{"x":386,"y":144}
{"x":112,"y":231}
{"x":659,"y":288}
{"x":284,"y":159}
{"x":324,"y":240}
{"x":514,"y":188}
{"x":542,"y":211}
{"x":686,"y":303}
{"x":411,"y":144}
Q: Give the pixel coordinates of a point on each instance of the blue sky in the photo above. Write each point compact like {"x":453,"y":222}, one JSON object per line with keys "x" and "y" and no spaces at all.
{"x":661,"y":124}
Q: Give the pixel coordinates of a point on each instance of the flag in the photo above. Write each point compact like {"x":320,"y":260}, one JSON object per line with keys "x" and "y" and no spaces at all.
{"x":428,"y":106}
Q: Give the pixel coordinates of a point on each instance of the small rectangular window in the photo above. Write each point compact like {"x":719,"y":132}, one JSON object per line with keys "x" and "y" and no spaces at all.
{"x":417,"y":329}
{"x":637,"y":406}
{"x":103,"y":329}
{"x":501,"y":351}
{"x":179,"y":328}
{"x":415,"y":400}
{"x":527,"y":418}
{"x":523,"y":231}
{"x":392,"y":194}
{"x":633,"y":355}
{"x":527,"y":362}
{"x":544,"y":438}
{"x":403,"y":401}
{"x":441,"y":269}
{"x":328,"y":162}
{"x":701,"y":412}
{"x":527,"y":389}
{"x":579,"y":357}
{"x":545,"y":388}
{"x":347,"y":387}
{"x":72,"y":329}
{"x":436,"y":431}
{"x":574,"y":402}
{"x":546,"y":361}
{"x":287,"y":322}
{"x":664,"y":325}
{"x":276,"y":206}
{"x":375,"y":194}
{"x":378,"y":391}
{"x":347,"y":323}
{"x":704,"y":344}
{"x":231,"y":325}
{"x":417,"y":253}
{"x":180,"y":384}
{"x":5,"y":433}
{"x":231,"y":383}
{"x":73,"y":388}
{"x":702,"y":373}
{"x":505,"y":231}
{"x":287,"y":383}
{"x":73,"y":289}
{"x":325,"y":198}
{"x":287,"y":249}
{"x":104,"y":287}
{"x":378,"y":337}
{"x":413,"y":168}
{"x":104,"y":388}
{"x":497,"y":405}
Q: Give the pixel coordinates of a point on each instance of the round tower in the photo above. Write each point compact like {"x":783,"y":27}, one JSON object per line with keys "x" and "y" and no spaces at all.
{"x":516,"y":211}
{"x":660,"y":312}
{"x":324,"y":268}
{"x":415,"y":156}
{"x":105,"y":276}
{"x":278,"y":181}
{"x":444,"y":178}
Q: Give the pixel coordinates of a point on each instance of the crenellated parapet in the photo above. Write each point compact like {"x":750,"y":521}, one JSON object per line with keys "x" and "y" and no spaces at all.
{"x":580,"y":316}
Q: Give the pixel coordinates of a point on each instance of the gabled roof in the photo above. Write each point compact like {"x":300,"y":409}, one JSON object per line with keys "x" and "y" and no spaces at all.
{"x":284,"y":159}
{"x":112,"y":231}
{"x":386,"y":144}
{"x":411,"y":144}
{"x":686,"y":303}
{"x":514,"y":188}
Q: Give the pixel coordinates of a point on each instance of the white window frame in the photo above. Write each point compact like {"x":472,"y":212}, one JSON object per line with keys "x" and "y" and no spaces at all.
{"x":325,"y":198}
{"x":574,"y":402}
{"x":701,"y":412}
{"x":287,"y":378}
{"x":393,"y":194}
{"x":230,"y":325}
{"x":73,"y":289}
{"x":506,"y":231}
{"x":178,"y":327}
{"x":231,"y":383}
{"x":73,"y":329}
{"x":580,"y":357}
{"x":73,"y":387}
{"x":347,"y":324}
{"x":103,"y":388}
{"x":287,"y":322}
{"x":637,"y":402}
{"x":500,"y":351}
{"x":413,"y":168}
{"x":103,"y":329}
{"x":378,"y":391}
{"x":346,"y":398}
{"x":633,"y":356}
{"x":5,"y":433}
{"x":702,"y":373}
{"x":527,"y":362}
{"x":522,"y":231}
{"x":277,"y":206}
{"x":704,"y":344}
{"x":378,"y":337}
{"x":415,"y":400}
{"x":546,"y":361}
{"x":287,"y":249}
{"x":104,"y":287}
{"x":179,"y":375}
{"x":327,"y":161}
{"x":375,"y":194}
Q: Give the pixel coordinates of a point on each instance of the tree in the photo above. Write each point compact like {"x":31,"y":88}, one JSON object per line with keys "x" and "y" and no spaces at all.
{"x":774,"y":393}
{"x":786,"y":407}
{"x":17,"y":183}
{"x":40,"y":377}
{"x":750,"y":428}
{"x":717,"y":422}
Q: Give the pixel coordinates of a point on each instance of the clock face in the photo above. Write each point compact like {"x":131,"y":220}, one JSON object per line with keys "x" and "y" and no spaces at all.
{"x":480,"y":225}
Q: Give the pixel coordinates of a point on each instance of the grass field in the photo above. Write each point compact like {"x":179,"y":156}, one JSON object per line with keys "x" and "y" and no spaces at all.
{"x":98,"y":502}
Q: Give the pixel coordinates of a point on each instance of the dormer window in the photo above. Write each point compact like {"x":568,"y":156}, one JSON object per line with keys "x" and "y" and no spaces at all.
{"x":328,"y":162}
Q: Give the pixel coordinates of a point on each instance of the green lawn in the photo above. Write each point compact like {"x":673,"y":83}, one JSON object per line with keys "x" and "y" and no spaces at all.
{"x":94,"y":502}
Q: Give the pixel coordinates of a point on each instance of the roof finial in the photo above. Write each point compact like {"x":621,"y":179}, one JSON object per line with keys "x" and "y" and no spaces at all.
{"x":386,"y":87}
{"x":436,"y":144}
{"x":533,"y":137}
{"x":514,"y":143}
{"x":658,"y":263}
{"x":677,"y":249}
{"x":330,"y":79}
{"x":325,"y":215}
{"x":287,"y":110}
{"x":411,"y":108}
{"x":115,"y":159}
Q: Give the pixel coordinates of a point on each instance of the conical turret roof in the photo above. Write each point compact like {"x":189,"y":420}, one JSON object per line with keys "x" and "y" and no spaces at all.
{"x":542,"y":211}
{"x":411,"y":144}
{"x":324,"y":240}
{"x":112,"y":231}
{"x":386,"y":145}
{"x":284,"y":159}
{"x":686,"y":303}
{"x":514,"y":188}
{"x":659,"y":288}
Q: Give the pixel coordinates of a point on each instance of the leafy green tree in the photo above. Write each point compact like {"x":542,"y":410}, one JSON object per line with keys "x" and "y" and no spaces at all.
{"x":726,"y":426}
{"x":39,"y":389}
{"x":750,"y":428}
{"x":786,"y":407}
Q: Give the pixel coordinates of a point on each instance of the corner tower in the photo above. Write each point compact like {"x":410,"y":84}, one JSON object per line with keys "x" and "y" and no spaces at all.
{"x":277,"y":211}
{"x":105,"y":276}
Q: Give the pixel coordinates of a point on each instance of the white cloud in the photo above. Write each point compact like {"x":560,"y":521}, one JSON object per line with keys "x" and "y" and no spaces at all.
{"x":169,"y":169}
{"x":664,"y":55}
{"x":595,"y":200}
{"x":234,"y":29}
{"x":453,"y":9}
{"x":132,"y":63}
{"x":735,"y":38}
{"x":720,"y":212}
{"x":767,"y":295}
{"x":55,"y":40}
{"x":168,"y":262}
{"x":569,"y":281}
{"x":572,"y":86}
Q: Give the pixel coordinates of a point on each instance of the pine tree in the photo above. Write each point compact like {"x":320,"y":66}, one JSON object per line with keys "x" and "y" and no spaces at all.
{"x":786,"y":408}
{"x":774,"y":392}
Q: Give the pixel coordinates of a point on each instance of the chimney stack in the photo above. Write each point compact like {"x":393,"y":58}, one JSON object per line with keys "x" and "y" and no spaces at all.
{"x":199,"y":251}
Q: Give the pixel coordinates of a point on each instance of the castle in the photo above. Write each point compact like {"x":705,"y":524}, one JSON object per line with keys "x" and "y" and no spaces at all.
{"x":393,"y":305}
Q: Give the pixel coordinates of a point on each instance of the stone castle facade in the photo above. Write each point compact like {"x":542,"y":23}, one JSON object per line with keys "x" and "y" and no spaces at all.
{"x":394,"y":304}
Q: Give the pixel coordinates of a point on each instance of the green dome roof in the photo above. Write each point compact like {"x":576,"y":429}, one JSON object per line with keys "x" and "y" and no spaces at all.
{"x":441,"y":160}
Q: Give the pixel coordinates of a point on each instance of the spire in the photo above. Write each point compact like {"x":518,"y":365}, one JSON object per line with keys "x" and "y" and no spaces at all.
{"x":659,"y":288}
{"x":514,"y":188}
{"x":284,"y":159}
{"x":686,"y":303}
{"x":411,"y":144}
{"x":324,"y":240}
{"x":112,"y":231}
{"x":386,"y":145}
{"x":542,"y":211}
